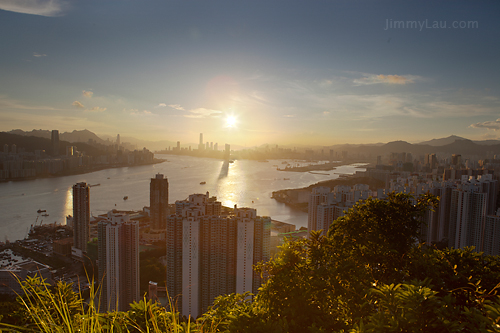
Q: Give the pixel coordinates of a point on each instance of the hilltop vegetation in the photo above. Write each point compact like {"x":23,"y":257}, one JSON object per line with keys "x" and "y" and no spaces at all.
{"x":366,"y":275}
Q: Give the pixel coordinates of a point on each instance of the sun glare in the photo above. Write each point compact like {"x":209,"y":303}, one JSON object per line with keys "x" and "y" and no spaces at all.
{"x":231,"y":121}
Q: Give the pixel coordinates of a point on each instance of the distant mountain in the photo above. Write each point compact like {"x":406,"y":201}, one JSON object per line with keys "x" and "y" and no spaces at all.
{"x":81,"y":136}
{"x":442,"y":141}
{"x":488,"y":142}
{"x":453,"y":138}
{"x":75,"y":136}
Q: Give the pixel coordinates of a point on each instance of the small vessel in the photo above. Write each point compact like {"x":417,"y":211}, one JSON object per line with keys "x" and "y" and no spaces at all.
{"x":45,"y":214}
{"x":231,"y":161}
{"x":125,"y":197}
{"x":203,"y":183}
{"x":41,"y":211}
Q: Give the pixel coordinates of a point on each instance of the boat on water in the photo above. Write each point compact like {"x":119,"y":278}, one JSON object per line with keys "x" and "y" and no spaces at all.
{"x":125,"y":197}
{"x":45,"y":214}
{"x":203,"y":183}
{"x":41,"y":211}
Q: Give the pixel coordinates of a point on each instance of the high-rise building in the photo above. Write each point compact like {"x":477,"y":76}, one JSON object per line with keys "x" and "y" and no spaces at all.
{"x":227,"y":151}
{"x":54,"y":138}
{"x":158,"y":201}
{"x":326,"y":206}
{"x":209,"y":254}
{"x":318,"y":196}
{"x":118,"y":140}
{"x":468,"y":213}
{"x":456,"y":159}
{"x":118,"y":264}
{"x":201,"y":146}
{"x":491,"y":244}
{"x":81,"y":219}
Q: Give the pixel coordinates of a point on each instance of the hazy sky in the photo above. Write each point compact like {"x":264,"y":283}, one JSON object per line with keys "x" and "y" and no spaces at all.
{"x":311,"y":71}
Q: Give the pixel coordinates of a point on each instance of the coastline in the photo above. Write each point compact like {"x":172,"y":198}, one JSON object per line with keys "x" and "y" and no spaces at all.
{"x":294,"y":197}
{"x":84,"y":171}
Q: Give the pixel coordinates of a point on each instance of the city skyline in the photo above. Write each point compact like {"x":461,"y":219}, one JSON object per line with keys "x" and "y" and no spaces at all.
{"x":252,"y":73}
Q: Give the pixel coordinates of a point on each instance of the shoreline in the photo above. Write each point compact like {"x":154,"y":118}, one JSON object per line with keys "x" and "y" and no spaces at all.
{"x":290,"y":197}
{"x":81,"y":172}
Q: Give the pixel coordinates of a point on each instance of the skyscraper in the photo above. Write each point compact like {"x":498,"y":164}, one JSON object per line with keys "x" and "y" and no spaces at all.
{"x":54,"y":138}
{"x":201,"y":146}
{"x":468,"y":213}
{"x":209,"y":254}
{"x":118,"y":265}
{"x":81,"y":219}
{"x":158,"y":201}
{"x":318,"y":196}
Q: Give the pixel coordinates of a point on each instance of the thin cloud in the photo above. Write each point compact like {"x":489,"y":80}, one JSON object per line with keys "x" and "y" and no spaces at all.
{"x":493,"y":125}
{"x":38,"y":55}
{"x":136,"y":112}
{"x":78,"y":105}
{"x":34,"y":7}
{"x":96,"y":109}
{"x":176,"y":106}
{"x":161,"y":105}
{"x":88,"y":94}
{"x":202,"y":113}
{"x":386,"y":79}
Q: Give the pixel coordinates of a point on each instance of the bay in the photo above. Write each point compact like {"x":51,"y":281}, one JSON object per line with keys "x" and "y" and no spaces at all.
{"x":245,"y":183}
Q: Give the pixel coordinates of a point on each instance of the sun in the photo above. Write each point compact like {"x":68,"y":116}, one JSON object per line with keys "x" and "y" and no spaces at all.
{"x":231,"y":121}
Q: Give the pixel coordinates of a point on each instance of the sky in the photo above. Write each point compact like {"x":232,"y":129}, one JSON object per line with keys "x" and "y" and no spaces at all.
{"x":319,"y":72}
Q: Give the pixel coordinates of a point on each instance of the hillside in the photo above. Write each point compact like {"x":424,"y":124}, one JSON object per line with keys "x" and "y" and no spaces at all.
{"x":32,"y":143}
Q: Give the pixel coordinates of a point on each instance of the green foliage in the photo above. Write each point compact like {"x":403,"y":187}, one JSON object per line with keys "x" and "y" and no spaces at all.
{"x":58,"y":306}
{"x":324,"y":280}
{"x":415,"y":307}
{"x":59,"y":309}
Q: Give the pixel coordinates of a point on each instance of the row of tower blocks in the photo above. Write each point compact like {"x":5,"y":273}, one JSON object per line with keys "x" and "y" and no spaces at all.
{"x":467,"y":214}
{"x":208,"y":253}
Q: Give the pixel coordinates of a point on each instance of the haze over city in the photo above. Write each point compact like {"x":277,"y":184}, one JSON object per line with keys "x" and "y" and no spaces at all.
{"x":248,"y":73}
